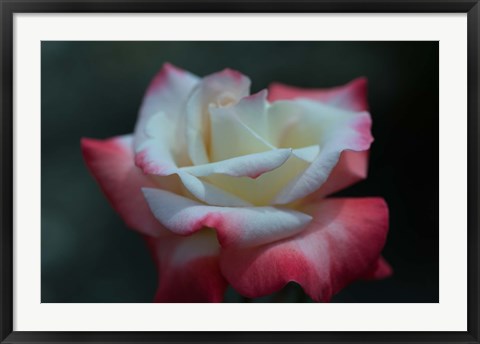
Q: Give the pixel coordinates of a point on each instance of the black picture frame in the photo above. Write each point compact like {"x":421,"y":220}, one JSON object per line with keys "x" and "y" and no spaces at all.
{"x":7,"y":10}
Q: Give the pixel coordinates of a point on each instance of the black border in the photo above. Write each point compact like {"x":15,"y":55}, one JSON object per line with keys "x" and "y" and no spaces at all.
{"x":9,"y":7}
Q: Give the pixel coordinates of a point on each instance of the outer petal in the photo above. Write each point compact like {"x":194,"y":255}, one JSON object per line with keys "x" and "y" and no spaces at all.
{"x":352,"y":96}
{"x":352,"y":166}
{"x":154,"y":153}
{"x":310,"y":122}
{"x":111,"y":163}
{"x":236,"y":227}
{"x":161,"y":114}
{"x":340,"y":245}
{"x":380,"y":269}
{"x":188,"y":269}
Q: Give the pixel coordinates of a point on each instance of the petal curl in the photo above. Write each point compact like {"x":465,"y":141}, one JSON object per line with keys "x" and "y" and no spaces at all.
{"x":352,"y":96}
{"x":111,"y":164}
{"x":251,"y":165}
{"x":209,"y":193}
{"x":236,"y":227}
{"x":188,"y":269}
{"x":262,"y":191}
{"x":340,"y":245}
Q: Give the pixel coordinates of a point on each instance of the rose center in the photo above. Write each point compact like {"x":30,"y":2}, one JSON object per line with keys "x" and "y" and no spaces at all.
{"x":226,"y":99}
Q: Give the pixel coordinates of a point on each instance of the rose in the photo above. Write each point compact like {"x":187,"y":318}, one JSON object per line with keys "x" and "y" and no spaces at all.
{"x":229,"y":188}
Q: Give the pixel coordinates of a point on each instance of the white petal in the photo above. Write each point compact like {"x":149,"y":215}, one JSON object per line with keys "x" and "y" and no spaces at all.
{"x":167,"y":95}
{"x":236,"y":227}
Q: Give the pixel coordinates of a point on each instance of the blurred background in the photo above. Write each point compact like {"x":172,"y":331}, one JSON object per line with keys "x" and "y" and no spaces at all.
{"x":94,"y":89}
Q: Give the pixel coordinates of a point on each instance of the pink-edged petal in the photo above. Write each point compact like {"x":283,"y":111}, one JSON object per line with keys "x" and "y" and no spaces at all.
{"x":236,"y":227}
{"x":352,"y":96}
{"x":380,"y":270}
{"x":333,"y":129}
{"x":251,"y":165}
{"x":351,"y":168}
{"x":111,"y":163}
{"x":188,"y":269}
{"x":221,"y":89}
{"x":154,"y":155}
{"x":157,"y":138}
{"x":339,"y":246}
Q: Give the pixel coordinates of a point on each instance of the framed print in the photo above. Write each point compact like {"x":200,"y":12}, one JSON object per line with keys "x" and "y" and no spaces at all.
{"x":241,"y":171}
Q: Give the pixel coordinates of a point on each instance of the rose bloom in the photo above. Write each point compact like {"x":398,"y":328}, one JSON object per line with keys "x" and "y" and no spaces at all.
{"x":230,"y":188}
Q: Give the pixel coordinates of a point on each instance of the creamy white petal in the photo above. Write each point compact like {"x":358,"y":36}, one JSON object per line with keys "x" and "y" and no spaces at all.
{"x":209,"y":193}
{"x":231,"y":137}
{"x":262,"y":190}
{"x":222,"y":88}
{"x":252,"y":111}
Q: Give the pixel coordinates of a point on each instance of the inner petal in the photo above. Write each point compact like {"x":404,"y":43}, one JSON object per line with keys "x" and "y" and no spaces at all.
{"x":230,"y":137}
{"x":220,"y":89}
{"x":262,"y":190}
{"x":240,"y":129}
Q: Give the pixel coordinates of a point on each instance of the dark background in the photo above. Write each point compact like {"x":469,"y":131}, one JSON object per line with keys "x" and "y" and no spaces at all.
{"x":94,"y":89}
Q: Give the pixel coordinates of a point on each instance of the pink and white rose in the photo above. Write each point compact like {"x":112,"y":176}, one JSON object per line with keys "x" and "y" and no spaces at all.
{"x":230,"y":188}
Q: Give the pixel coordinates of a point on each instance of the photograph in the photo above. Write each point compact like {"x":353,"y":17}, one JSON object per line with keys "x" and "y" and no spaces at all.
{"x":239,"y":171}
